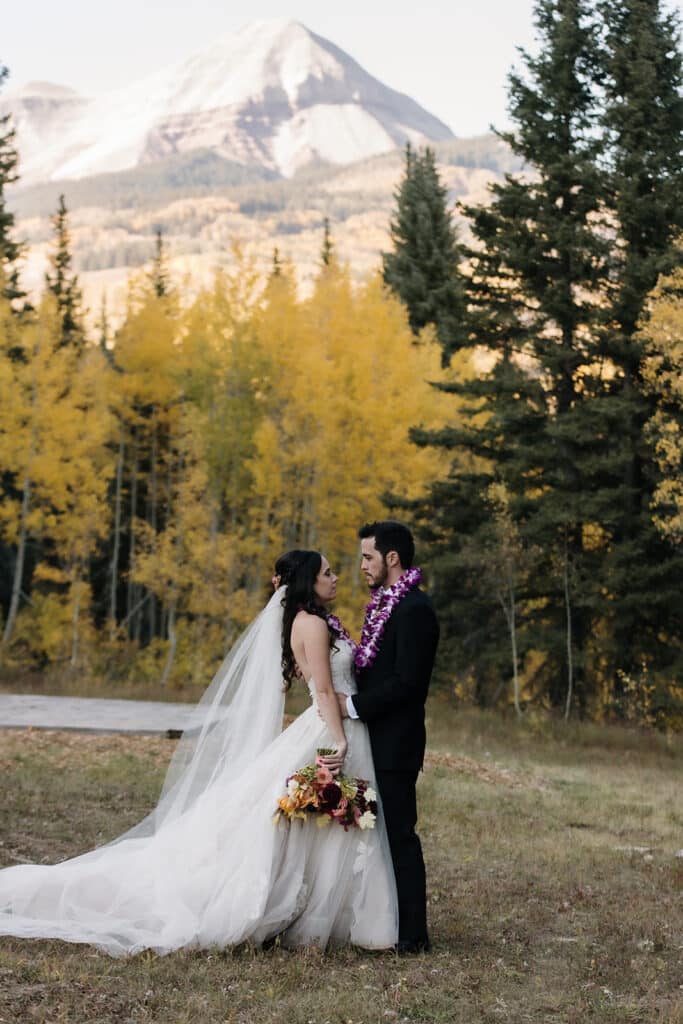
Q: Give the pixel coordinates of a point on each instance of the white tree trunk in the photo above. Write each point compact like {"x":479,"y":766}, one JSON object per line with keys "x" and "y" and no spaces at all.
{"x":131,"y":594}
{"x":508,"y":604}
{"x":114,"y":567}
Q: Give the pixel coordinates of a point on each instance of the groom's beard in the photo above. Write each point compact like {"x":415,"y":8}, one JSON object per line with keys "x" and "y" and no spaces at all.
{"x":378,"y":583}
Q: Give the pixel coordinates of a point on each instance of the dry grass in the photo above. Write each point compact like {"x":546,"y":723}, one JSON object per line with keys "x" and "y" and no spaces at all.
{"x":555,"y":890}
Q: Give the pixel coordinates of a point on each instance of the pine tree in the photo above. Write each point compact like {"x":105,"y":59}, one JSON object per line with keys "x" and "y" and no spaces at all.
{"x":276,"y":266}
{"x":327,"y":254}
{"x":159,"y":273}
{"x":63,"y":282}
{"x":422,"y":268}
{"x":536,"y":297}
{"x":10,"y":250}
{"x":560,"y":417}
{"x":663,"y":372}
{"x":643,"y":122}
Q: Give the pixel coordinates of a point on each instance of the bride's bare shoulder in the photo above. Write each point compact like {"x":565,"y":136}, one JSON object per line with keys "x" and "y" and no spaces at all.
{"x":308,"y":625}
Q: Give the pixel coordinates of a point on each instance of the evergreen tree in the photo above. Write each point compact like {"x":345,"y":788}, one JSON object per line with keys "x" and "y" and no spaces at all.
{"x":559,"y":418}
{"x":103,"y":325}
{"x":63,"y":282}
{"x":10,"y":250}
{"x":422,"y":268}
{"x":643,"y":122}
{"x":536,"y":298}
{"x":663,"y":372}
{"x":276,"y":266}
{"x":159,"y":272}
{"x":327,"y":251}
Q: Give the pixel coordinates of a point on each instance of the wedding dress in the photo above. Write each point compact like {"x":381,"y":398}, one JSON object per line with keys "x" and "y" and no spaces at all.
{"x":208,"y":867}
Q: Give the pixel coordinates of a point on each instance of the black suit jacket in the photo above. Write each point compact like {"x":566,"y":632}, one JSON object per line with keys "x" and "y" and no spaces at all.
{"x":393,"y":690}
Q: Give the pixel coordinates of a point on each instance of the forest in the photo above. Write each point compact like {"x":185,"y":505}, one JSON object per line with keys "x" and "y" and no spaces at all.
{"x":517,"y":398}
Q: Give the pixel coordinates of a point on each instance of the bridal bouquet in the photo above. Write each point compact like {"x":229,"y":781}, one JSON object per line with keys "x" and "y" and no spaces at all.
{"x":314,"y":790}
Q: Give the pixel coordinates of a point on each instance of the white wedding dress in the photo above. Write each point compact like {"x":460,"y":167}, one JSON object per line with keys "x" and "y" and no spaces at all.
{"x":209,"y":867}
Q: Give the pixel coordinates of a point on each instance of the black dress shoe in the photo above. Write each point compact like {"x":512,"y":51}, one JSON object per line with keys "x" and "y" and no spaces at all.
{"x":406,"y":946}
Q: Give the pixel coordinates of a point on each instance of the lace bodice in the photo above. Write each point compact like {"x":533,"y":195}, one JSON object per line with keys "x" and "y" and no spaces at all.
{"x":341,"y":663}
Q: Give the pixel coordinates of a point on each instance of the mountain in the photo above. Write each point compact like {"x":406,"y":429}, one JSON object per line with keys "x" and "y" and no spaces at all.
{"x":273,"y":96}
{"x":204,"y":204}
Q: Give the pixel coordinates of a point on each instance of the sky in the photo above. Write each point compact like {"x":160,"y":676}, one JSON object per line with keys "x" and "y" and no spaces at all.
{"x":451,"y":56}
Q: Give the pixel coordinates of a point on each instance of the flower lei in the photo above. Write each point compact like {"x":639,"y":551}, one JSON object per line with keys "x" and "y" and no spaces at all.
{"x":377,"y":614}
{"x":336,"y":626}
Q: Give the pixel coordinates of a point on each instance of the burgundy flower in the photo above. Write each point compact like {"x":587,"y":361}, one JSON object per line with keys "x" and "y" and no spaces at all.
{"x":329,"y":797}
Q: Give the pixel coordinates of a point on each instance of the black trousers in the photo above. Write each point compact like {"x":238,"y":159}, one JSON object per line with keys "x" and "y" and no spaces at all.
{"x":397,"y":792}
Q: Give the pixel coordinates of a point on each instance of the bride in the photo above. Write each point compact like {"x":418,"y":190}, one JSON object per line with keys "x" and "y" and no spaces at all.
{"x":208,"y":867}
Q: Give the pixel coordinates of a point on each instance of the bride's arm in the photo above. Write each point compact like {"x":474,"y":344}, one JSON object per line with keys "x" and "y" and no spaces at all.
{"x":316,"y":641}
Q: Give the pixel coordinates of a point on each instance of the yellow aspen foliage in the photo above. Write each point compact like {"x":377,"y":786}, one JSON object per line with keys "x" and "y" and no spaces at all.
{"x":663,"y":371}
{"x":146,"y":348}
{"x":190,"y":565}
{"x":347,"y":382}
{"x":222,"y":371}
{"x":54,"y":427}
{"x":208,"y":440}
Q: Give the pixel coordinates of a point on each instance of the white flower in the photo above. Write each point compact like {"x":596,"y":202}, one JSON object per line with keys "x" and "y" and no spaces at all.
{"x":292,"y":787}
{"x":370,"y":794}
{"x":367,"y":820}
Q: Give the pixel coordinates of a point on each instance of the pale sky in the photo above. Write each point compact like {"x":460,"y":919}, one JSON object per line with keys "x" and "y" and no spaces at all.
{"x":451,"y":57}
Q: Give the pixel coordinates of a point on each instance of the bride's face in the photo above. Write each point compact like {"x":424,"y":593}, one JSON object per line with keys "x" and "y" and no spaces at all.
{"x":325,"y":586}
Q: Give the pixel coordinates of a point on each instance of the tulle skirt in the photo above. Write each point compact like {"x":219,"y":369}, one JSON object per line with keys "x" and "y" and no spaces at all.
{"x":222,"y":873}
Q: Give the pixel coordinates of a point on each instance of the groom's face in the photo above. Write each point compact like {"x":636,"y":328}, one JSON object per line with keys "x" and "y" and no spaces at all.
{"x":372,"y":563}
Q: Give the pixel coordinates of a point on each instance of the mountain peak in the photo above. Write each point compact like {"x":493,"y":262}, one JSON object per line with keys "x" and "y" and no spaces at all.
{"x":43,"y":90}
{"x":272,"y":94}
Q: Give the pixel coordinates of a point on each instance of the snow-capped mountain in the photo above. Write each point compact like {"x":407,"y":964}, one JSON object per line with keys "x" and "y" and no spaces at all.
{"x":274,"y":95}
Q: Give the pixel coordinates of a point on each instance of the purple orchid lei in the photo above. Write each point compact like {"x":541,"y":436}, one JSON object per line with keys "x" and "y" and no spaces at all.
{"x":377,"y":614}
{"x":336,"y":626}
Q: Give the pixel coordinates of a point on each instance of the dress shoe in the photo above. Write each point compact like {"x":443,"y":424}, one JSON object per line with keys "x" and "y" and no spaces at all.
{"x":406,"y":946}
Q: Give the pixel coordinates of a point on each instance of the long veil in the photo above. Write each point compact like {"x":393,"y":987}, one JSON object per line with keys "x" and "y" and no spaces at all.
{"x":238,"y":716}
{"x":142,"y":889}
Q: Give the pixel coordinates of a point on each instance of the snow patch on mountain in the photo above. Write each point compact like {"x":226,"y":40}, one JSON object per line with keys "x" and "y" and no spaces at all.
{"x":337,"y":134}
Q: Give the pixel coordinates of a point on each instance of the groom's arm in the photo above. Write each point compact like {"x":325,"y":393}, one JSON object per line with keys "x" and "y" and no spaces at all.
{"x":417,"y":634}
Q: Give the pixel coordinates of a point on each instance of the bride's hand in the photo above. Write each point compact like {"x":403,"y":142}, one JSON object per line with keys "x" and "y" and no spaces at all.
{"x":334,"y":761}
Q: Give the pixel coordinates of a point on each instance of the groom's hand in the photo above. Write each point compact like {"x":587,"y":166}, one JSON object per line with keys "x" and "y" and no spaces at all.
{"x":341,"y":697}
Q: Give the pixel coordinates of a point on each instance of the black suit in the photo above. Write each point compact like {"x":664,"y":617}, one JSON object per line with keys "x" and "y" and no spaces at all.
{"x":391,"y":698}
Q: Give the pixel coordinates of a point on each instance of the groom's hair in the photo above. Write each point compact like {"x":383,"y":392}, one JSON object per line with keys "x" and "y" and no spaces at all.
{"x":391,"y":536}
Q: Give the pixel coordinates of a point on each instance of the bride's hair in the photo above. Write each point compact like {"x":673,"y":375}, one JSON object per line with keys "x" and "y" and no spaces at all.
{"x":286,"y":564}
{"x":299,"y":596}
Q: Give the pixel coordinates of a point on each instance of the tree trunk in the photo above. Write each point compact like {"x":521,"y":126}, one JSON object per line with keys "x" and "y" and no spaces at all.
{"x":152,"y":609}
{"x":508,"y":603}
{"x":172,"y":642}
{"x":568,"y":607}
{"x":131,"y":590}
{"x":19,"y":564}
{"x":75,"y":620}
{"x":513,"y":642}
{"x":114,"y":567}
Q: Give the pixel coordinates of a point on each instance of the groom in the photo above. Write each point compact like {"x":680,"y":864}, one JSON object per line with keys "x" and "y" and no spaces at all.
{"x":394,"y":664}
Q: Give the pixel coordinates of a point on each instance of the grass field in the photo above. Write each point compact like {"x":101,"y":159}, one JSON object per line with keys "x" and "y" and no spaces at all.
{"x":555,"y":889}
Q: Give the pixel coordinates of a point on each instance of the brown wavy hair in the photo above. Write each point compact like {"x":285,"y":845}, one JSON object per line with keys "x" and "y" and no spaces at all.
{"x":300,"y":596}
